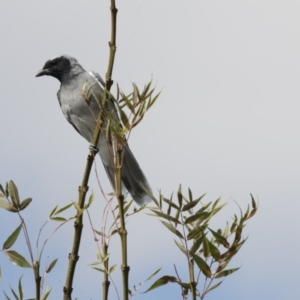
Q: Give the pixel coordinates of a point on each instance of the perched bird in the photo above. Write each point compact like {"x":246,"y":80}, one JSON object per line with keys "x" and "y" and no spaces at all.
{"x":81,"y":115}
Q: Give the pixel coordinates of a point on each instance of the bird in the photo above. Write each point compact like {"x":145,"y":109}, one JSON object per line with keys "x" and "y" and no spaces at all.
{"x":81,"y":114}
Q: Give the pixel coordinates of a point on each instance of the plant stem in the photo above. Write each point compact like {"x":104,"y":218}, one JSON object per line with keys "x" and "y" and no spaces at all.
{"x":36,"y":270}
{"x":123,"y":233}
{"x":105,"y":282}
{"x":73,"y":256}
{"x":193,"y":284}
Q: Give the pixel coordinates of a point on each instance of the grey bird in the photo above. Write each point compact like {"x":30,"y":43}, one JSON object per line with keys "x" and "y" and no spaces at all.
{"x":81,"y":115}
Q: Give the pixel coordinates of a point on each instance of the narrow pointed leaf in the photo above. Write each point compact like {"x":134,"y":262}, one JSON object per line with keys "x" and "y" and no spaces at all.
{"x":220,"y":239}
{"x":6,"y":205}
{"x":51,"y":266}
{"x":173,"y":229}
{"x":25,"y":203}
{"x":190,"y":205}
{"x":14,"y":194}
{"x":216,"y":203}
{"x":206,"y":250}
{"x":153,"y":274}
{"x":58,"y":219}
{"x":12,"y":238}
{"x":180,"y":247}
{"x":197,"y":217}
{"x":202,"y":265}
{"x":214,"y":251}
{"x":14,"y":293}
{"x":226,"y":272}
{"x":20,"y":288}
{"x":179,"y":196}
{"x":6,"y":297}
{"x":45,"y":296}
{"x":112,"y":268}
{"x":17,"y":259}
{"x":167,"y":217}
{"x":197,"y":244}
{"x":161,"y":281}
{"x":91,"y":199}
{"x":170,"y":203}
{"x":63,"y":208}
{"x":53,"y":211}
{"x":213,"y":287}
{"x":194,"y":233}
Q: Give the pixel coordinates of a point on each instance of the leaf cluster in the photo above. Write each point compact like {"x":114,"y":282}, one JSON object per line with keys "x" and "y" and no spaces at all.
{"x":207,"y":250}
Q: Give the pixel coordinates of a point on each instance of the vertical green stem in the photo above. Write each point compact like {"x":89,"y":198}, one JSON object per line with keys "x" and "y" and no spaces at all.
{"x":73,"y":256}
{"x":106,"y":282}
{"x":37,"y":277}
{"x":123,"y":233}
{"x":193,"y":284}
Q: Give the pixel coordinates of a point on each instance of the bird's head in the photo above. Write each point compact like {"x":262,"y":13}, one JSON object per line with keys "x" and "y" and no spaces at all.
{"x":59,"y":67}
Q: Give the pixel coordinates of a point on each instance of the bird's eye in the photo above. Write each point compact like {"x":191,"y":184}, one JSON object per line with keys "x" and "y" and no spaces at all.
{"x":54,"y":62}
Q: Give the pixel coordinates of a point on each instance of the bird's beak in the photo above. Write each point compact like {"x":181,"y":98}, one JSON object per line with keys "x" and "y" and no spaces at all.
{"x":43,"y":72}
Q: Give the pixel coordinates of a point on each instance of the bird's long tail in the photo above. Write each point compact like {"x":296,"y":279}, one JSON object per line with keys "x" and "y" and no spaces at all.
{"x":133,"y":178}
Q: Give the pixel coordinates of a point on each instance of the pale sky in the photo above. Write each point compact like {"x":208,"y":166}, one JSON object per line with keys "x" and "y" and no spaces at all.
{"x":226,"y":124}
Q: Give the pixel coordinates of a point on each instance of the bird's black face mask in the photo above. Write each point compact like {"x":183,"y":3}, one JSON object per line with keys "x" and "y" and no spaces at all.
{"x":56,"y":67}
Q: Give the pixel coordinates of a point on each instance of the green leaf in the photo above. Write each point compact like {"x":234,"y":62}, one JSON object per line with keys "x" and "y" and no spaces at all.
{"x":202,"y":265}
{"x":180,"y":247}
{"x":254,"y":206}
{"x":161,"y":281}
{"x":53,"y":211}
{"x":51,"y":266}
{"x":100,"y":270}
{"x":153,"y":274}
{"x":179,"y":196}
{"x":213,"y":287}
{"x":58,"y":219}
{"x":25,"y":203}
{"x":14,"y":194}
{"x":197,"y":217}
{"x":91,"y":199}
{"x":20,"y":288}
{"x":6,"y":205}
{"x":220,"y":239}
{"x":17,"y":259}
{"x":214,"y":251}
{"x":124,"y":119}
{"x":238,"y":233}
{"x":206,"y":250}
{"x":47,"y":293}
{"x":204,"y":207}
{"x":190,"y":205}
{"x":12,"y":238}
{"x":14,"y":293}
{"x":194,"y":233}
{"x":2,"y":190}
{"x":63,"y":208}
{"x":167,"y":217}
{"x":190,"y":195}
{"x":127,"y":206}
{"x":170,"y":203}
{"x":112,"y":268}
{"x":216,"y":203}
{"x":6,"y":297}
{"x":226,"y":272}
{"x":197,"y":243}
{"x":173,"y":229}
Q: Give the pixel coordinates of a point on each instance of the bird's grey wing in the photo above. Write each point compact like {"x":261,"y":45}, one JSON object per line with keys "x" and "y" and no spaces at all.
{"x":65,"y":114}
{"x":98,"y":78}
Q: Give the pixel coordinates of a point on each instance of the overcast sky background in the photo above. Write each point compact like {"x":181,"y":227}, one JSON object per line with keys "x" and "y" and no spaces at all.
{"x":227,"y":123}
